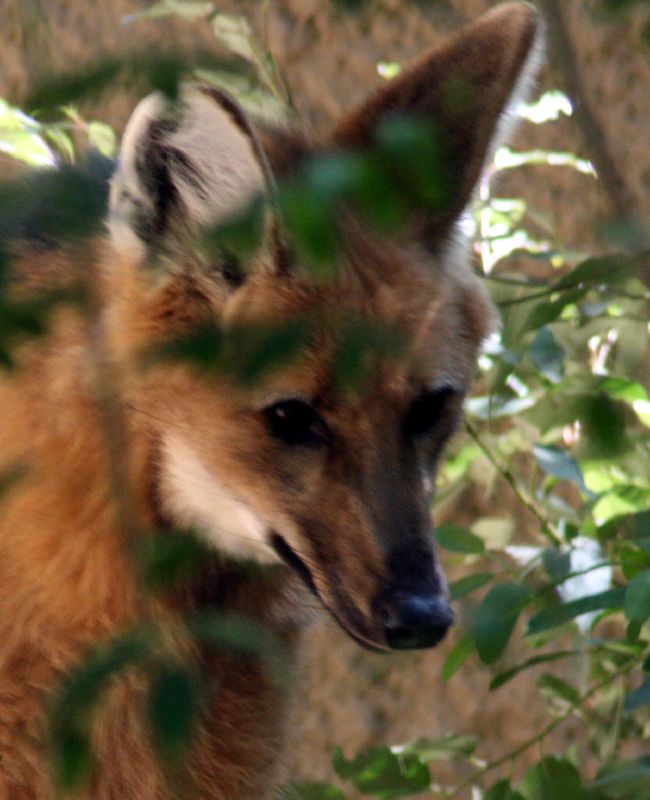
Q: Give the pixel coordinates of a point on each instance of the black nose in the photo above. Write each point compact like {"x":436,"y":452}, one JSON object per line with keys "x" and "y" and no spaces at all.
{"x":414,"y":621}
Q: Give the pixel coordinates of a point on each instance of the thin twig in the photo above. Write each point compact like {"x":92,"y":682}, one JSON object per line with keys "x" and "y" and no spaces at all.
{"x":514,"y":484}
{"x":541,"y":735}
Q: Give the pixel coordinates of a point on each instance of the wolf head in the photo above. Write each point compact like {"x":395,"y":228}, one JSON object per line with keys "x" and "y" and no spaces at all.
{"x":332,"y":476}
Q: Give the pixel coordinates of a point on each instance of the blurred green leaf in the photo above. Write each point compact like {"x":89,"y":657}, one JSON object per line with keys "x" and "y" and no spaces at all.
{"x":502,"y":791}
{"x":361,"y":347}
{"x":167,"y":557}
{"x":236,"y":632}
{"x":149,"y":69}
{"x":637,"y":598}
{"x":174,"y":705}
{"x":235,"y":33}
{"x":547,"y":355}
{"x":455,"y":660}
{"x":495,"y":407}
{"x":382,"y":773}
{"x":468,"y":584}
{"x":495,"y":619}
{"x":181,"y":8}
{"x":552,"y":778}
{"x":595,"y":271}
{"x":458,"y":540}
{"x":625,"y":780}
{"x":559,"y":689}
{"x":446,"y":747}
{"x":633,"y":561}
{"x":73,"y":760}
{"x":558,"y":615}
{"x":252,"y":351}
{"x":503,"y":677}
{"x":558,"y":463}
{"x":549,"y":310}
{"x":63,"y":205}
{"x":603,"y":426}
{"x":71,"y":710}
{"x":638,"y":697}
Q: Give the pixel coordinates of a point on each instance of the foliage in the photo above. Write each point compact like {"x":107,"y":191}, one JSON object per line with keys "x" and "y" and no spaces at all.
{"x":559,"y":416}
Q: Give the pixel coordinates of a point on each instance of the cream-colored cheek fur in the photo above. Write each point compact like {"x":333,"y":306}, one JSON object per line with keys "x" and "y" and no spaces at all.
{"x":195,"y":498}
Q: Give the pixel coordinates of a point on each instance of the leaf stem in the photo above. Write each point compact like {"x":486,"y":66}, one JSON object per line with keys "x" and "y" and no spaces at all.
{"x":538,"y":737}
{"x":520,"y":492}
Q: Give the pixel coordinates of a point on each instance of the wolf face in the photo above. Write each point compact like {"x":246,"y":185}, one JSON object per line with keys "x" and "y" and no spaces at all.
{"x":333,"y":479}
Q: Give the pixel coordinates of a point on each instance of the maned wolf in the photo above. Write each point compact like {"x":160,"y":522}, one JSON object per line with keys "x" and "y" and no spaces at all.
{"x":295,"y":481}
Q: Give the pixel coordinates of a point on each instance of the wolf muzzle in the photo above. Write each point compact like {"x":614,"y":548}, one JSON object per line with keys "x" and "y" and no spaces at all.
{"x":414,"y":621}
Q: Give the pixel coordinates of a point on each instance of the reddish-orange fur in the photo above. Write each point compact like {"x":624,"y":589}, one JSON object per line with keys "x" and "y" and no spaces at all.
{"x":67,"y":581}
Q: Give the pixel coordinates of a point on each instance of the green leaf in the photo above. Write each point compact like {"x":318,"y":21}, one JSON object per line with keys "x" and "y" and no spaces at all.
{"x":603,"y":423}
{"x":469,"y":584}
{"x":382,"y":773}
{"x":458,"y":540}
{"x":547,"y":355}
{"x":503,"y":677}
{"x":67,"y":204}
{"x":361,"y":347}
{"x":181,"y":8}
{"x":625,"y":780}
{"x":234,"y":32}
{"x":103,"y":138}
{"x":552,"y":779}
{"x":169,"y":556}
{"x":556,"y":462}
{"x":502,"y":791}
{"x":633,"y":560}
{"x":252,"y":351}
{"x":558,"y":615}
{"x":496,"y":618}
{"x":598,"y":271}
{"x":457,"y":657}
{"x":495,"y":407}
{"x":70,"y":715}
{"x":174,"y":702}
{"x":449,"y":746}
{"x":559,"y":689}
{"x":241,"y":634}
{"x":638,"y":697}
{"x":73,"y":760}
{"x":549,"y":310}
{"x":637,"y":599}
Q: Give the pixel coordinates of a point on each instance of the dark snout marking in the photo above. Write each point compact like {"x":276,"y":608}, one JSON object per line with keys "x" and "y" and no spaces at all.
{"x":292,"y":559}
{"x":414,"y":621}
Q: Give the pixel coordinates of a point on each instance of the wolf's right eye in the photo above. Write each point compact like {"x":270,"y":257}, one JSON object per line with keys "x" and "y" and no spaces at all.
{"x":427,"y":412}
{"x":297,"y":423}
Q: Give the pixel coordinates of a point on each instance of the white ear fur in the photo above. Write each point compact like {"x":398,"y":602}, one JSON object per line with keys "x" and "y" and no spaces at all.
{"x":213,"y":169}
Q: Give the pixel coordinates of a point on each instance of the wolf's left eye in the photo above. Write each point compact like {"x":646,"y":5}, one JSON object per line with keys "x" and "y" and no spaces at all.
{"x":427,"y":411}
{"x":297,"y":423}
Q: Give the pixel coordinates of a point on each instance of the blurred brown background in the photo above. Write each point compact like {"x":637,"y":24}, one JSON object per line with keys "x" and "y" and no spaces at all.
{"x":328,"y":55}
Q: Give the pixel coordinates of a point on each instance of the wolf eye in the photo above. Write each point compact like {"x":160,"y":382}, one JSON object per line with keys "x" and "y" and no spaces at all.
{"x":427,"y":411}
{"x":297,"y":423}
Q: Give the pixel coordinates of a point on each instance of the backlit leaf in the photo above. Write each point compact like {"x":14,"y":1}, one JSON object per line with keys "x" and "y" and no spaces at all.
{"x":458,"y":540}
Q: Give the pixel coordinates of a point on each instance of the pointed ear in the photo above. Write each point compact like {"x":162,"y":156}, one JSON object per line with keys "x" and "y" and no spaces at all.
{"x":465,"y":89}
{"x":181,"y":165}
